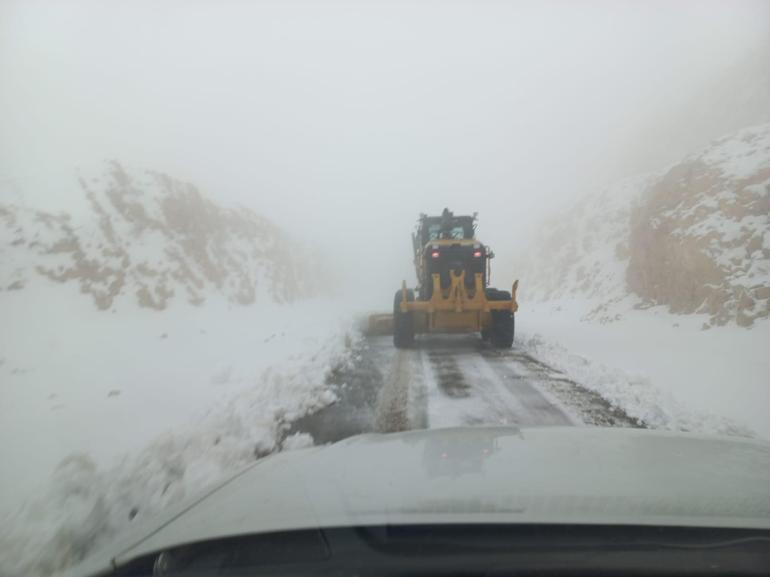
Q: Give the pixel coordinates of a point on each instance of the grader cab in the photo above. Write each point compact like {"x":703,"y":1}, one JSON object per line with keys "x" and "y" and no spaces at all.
{"x":452,"y":293}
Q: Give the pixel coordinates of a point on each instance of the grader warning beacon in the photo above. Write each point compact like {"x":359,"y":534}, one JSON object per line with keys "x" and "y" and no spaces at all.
{"x":452,"y":295}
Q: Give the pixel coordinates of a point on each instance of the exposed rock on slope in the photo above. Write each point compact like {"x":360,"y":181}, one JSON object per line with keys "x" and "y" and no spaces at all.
{"x":695,"y":238}
{"x":151,"y":238}
{"x":700,"y":240}
{"x":583,"y":251}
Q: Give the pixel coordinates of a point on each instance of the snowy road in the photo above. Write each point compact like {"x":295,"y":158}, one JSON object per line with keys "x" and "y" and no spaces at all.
{"x":452,"y":381}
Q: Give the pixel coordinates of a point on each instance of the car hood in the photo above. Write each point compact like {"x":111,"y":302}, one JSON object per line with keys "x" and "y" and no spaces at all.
{"x":478,"y":475}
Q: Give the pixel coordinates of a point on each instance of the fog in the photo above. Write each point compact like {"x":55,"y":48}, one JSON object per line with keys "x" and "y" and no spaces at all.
{"x":342,"y":121}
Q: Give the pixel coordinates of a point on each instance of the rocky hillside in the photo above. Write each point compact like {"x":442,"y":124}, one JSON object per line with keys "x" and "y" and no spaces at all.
{"x":694,"y":238}
{"x":151,"y":239}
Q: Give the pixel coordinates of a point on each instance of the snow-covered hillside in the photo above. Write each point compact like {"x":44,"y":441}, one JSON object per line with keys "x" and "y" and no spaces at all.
{"x":694,"y":238}
{"x":152,"y":292}
{"x":151,"y":239}
{"x":619,"y":290}
{"x":152,"y":343}
{"x":583,"y":253}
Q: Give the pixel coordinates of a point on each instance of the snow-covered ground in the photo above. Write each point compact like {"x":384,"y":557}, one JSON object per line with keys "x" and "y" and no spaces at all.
{"x":114,"y":417}
{"x":659,"y":367}
{"x":109,"y":417}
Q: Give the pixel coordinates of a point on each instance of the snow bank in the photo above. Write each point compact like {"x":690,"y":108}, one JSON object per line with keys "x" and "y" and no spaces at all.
{"x":659,"y":367}
{"x":135,"y":411}
{"x":85,"y":506}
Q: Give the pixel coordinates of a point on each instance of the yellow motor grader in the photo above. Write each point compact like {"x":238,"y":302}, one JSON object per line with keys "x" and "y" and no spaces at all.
{"x":452,"y":294}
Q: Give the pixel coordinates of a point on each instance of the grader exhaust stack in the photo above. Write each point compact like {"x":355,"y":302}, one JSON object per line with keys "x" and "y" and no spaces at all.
{"x":452,"y":294}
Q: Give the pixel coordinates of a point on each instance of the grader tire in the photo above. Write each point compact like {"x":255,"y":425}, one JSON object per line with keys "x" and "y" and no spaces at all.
{"x":503,"y":322}
{"x":403,"y":323}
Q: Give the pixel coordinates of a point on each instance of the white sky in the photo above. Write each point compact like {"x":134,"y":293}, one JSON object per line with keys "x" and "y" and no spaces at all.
{"x":343,"y":120}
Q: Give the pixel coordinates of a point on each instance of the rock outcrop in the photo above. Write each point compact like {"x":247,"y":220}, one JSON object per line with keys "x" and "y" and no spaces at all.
{"x":152,"y":239}
{"x":694,"y":238}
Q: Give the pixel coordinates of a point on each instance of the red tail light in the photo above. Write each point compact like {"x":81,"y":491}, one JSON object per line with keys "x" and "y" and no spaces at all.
{"x":435,"y":254}
{"x":477,"y":254}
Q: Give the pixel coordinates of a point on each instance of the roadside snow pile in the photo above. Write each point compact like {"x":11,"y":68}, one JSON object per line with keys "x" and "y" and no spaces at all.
{"x":661,"y":369}
{"x":151,"y":239}
{"x":86,"y":506}
{"x":634,"y":394}
{"x":695,"y":238}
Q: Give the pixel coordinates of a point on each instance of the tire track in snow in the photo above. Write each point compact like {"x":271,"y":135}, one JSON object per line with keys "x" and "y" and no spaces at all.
{"x":452,"y":380}
{"x":584,"y":405}
{"x":494,"y":392}
{"x":392,"y":411}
